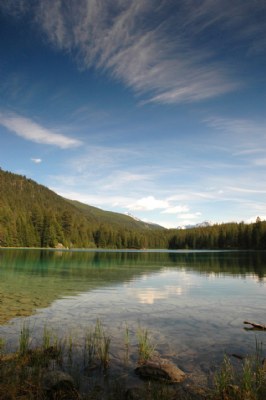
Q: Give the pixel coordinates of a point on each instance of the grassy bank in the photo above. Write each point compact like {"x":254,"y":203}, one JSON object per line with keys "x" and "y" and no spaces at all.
{"x":62,"y":369}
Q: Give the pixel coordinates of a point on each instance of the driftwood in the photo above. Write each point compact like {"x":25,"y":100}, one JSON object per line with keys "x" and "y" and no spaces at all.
{"x":255,"y":326}
{"x":238,"y":356}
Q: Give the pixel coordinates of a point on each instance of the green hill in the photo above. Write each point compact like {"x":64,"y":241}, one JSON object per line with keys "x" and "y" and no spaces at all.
{"x":113,"y":218}
{"x":31,"y":215}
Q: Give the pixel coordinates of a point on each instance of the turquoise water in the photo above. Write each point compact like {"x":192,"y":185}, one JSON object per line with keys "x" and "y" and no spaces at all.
{"x":192,"y":303}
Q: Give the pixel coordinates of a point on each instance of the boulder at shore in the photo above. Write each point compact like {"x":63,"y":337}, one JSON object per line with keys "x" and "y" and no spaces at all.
{"x":162,"y":370}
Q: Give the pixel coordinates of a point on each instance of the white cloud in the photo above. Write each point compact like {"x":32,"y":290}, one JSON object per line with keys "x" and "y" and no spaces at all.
{"x":176,"y":210}
{"x":30,"y":130}
{"x":36,"y":160}
{"x":148,"y":203}
{"x":190,"y":216}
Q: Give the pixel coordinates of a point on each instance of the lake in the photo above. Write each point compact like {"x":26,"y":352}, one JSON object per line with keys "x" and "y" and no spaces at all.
{"x":193,"y":303}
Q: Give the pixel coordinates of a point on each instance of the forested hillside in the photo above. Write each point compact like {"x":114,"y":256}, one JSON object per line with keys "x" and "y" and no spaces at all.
{"x":220,"y":236}
{"x":31,"y":215}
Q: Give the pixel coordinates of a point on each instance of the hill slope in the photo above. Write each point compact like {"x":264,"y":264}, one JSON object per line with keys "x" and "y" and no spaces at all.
{"x":113,"y":218}
{"x":33,"y":215}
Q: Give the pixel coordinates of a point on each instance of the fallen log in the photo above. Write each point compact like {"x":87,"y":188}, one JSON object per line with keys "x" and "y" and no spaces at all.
{"x":238,"y":356}
{"x":256,"y":326}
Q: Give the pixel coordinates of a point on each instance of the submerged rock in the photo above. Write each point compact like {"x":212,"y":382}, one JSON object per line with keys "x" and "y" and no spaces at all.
{"x":57,"y":381}
{"x":162,"y":370}
{"x":134,"y":393}
{"x":193,"y":392}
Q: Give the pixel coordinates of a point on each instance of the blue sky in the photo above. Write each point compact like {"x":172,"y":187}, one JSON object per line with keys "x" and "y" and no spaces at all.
{"x":153,"y":108}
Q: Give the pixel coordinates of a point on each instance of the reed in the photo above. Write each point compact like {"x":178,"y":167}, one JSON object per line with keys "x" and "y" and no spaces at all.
{"x":70,"y":349}
{"x":224,"y":377}
{"x":97,"y":346}
{"x":248,"y":383}
{"x":248,"y":389}
{"x":145,"y":348}
{"x":104,"y":351}
{"x":102,"y":344}
{"x":2,"y":345}
{"x":253,"y":377}
{"x":260,"y":372}
{"x":46,"y":338}
{"x":89,"y":348}
{"x":24,"y":339}
{"x":127,"y":344}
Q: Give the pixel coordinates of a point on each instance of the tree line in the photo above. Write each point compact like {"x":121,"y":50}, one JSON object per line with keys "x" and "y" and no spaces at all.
{"x":31,"y":215}
{"x":221,"y":236}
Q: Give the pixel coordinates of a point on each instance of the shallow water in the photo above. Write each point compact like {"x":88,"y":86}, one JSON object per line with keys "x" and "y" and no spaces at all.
{"x":192,"y":303}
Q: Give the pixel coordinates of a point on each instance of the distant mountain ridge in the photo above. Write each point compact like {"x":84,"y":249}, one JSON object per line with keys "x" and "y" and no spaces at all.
{"x":203,"y":224}
{"x":145,"y":222}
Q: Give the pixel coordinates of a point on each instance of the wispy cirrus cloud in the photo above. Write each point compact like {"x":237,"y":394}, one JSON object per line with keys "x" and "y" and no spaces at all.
{"x":190,"y":216}
{"x":246,"y":190}
{"x":123,"y":178}
{"x":260,"y":162}
{"x":240,"y":126}
{"x":246,"y":137}
{"x":121,"y":39}
{"x":30,"y":130}
{"x":176,"y":210}
{"x":165,"y":52}
{"x":98,"y":158}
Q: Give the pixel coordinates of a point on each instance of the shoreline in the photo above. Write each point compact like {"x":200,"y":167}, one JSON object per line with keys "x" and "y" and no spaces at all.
{"x":56,"y":368}
{"x":130,"y":250}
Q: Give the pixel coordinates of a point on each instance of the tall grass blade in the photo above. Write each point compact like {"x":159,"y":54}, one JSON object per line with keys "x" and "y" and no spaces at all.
{"x":24,"y":339}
